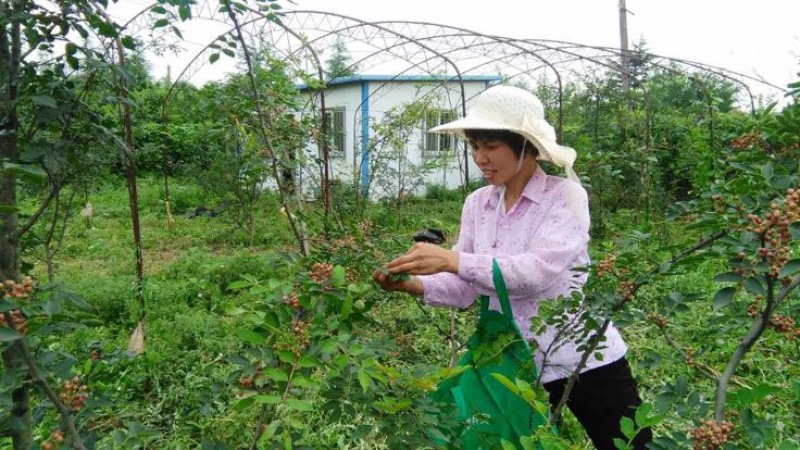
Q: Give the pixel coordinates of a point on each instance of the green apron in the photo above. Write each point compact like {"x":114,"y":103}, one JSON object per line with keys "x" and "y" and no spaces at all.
{"x":489,"y":410}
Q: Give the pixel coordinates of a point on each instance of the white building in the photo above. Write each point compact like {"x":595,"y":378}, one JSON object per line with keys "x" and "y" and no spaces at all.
{"x":402,"y":158}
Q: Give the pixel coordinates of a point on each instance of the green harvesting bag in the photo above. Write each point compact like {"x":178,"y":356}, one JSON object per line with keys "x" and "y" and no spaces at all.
{"x":489,"y":410}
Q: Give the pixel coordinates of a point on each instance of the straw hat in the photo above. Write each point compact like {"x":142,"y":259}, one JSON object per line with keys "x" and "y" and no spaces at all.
{"x":514,"y":109}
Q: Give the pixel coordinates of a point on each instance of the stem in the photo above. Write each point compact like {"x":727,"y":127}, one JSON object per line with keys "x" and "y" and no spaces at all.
{"x":33,"y":369}
{"x":453,"y":341}
{"x":35,"y":217}
{"x":595,"y":339}
{"x":757,"y":328}
{"x":257,"y":102}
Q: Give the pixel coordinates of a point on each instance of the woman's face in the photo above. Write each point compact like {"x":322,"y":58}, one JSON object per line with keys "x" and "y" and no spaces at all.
{"x":496,"y":159}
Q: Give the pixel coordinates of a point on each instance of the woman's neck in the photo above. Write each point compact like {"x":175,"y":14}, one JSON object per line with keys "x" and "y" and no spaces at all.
{"x":515,"y":186}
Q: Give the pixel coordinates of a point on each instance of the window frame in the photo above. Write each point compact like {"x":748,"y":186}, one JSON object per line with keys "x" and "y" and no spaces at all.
{"x":434,"y":143}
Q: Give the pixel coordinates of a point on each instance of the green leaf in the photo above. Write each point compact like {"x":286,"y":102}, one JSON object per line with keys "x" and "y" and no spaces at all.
{"x":269,"y":432}
{"x":129,"y":42}
{"x":161,"y":23}
{"x":728,"y":277}
{"x":338,"y":276}
{"x":724,"y":297}
{"x":364,"y":379}
{"x":250,"y":336}
{"x":507,"y":445}
{"x":620,"y":444}
{"x":25,"y":170}
{"x":9,"y":335}
{"x":177,"y":32}
{"x":243,"y":404}
{"x":789,"y":444}
{"x":269,"y":399}
{"x":239,"y":284}
{"x":228,"y":52}
{"x":753,"y":285}
{"x":158,"y":10}
{"x":44,"y":100}
{"x":767,"y":171}
{"x":627,"y":427}
{"x":184,"y":12}
{"x":8,"y":209}
{"x":398,"y":277}
{"x":307,"y":361}
{"x":642,"y":412}
{"x":275,"y":374}
{"x":506,"y":382}
{"x":790,"y":268}
{"x":107,"y":29}
{"x":299,"y":405}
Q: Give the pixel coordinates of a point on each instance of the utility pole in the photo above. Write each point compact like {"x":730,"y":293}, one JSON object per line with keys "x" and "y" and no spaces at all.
{"x":625,"y":58}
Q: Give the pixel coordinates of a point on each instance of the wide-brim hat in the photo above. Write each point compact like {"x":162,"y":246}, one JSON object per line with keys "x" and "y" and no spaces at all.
{"x":517,"y":110}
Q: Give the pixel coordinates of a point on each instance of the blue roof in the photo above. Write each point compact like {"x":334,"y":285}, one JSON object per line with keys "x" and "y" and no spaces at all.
{"x":407,"y":78}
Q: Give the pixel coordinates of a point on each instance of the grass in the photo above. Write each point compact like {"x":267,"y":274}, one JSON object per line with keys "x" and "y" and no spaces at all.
{"x":179,"y":389}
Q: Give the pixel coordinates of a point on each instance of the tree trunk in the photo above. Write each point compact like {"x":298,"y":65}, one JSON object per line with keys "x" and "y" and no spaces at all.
{"x":10,"y":44}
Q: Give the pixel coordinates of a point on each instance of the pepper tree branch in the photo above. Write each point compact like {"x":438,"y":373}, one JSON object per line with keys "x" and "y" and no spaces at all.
{"x":755,"y":331}
{"x":595,"y":340}
{"x":257,"y":103}
{"x":33,"y":369}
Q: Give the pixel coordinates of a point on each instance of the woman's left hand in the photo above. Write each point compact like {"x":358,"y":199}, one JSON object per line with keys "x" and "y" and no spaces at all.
{"x":425,"y":259}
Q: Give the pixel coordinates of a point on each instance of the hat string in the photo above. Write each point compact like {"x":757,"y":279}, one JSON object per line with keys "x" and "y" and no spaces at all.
{"x":501,"y":206}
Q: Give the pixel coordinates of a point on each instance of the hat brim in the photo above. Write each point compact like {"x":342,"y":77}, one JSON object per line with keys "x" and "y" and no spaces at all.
{"x":548,"y":149}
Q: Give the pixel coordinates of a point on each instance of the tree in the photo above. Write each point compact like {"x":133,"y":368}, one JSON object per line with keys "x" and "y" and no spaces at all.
{"x":340,"y":63}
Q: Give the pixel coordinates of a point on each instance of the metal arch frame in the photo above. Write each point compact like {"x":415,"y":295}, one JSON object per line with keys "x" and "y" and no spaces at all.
{"x":440,"y":41}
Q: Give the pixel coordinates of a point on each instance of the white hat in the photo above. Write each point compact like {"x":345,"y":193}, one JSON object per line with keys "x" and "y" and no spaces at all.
{"x":514,"y":109}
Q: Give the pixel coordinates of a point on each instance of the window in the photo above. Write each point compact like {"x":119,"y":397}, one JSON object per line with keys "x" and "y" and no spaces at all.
{"x":335,"y":121}
{"x":436,"y":144}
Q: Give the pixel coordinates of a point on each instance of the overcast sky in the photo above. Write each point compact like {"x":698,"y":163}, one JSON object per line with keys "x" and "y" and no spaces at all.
{"x":757,"y":38}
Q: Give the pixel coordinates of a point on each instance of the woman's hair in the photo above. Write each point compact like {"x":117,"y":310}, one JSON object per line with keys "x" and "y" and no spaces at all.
{"x":513,"y":140}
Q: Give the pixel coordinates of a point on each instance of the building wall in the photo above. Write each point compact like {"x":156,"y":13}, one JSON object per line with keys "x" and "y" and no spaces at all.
{"x":385,"y":180}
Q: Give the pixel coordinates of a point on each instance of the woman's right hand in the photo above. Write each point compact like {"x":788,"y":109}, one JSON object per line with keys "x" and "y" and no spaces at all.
{"x":411,"y":284}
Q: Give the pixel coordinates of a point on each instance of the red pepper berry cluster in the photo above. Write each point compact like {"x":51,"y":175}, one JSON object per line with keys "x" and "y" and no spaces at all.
{"x":249,"y":382}
{"x":19,"y":291}
{"x":690,"y":357}
{"x":774,"y":229}
{"x":74,"y":394}
{"x":292,"y":301}
{"x":745,"y":141}
{"x":298,"y":342}
{"x":321,"y":272}
{"x":785,"y":326}
{"x":626,"y":288}
{"x":246,"y":382}
{"x":658,"y":319}
{"x":719,"y":203}
{"x":365,"y":226}
{"x":606,"y":265}
{"x":789,"y":149}
{"x":346,"y":242}
{"x":18,"y":321}
{"x":711,"y":435}
{"x":57,"y":437}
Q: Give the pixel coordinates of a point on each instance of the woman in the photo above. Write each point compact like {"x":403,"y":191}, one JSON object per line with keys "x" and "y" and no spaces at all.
{"x":537,"y":228}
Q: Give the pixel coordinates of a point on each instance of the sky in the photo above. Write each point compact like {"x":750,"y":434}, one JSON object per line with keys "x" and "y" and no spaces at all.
{"x":756,"y":38}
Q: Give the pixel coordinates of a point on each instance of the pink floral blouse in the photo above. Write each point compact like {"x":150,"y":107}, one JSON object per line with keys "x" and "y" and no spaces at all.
{"x":536,"y":243}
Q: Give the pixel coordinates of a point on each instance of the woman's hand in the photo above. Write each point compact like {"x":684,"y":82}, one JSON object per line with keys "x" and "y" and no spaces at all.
{"x":425,"y":259}
{"x":410,"y":284}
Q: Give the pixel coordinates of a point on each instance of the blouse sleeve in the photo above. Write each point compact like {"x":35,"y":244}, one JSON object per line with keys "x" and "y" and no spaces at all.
{"x":449,"y":289}
{"x":555,"y":246}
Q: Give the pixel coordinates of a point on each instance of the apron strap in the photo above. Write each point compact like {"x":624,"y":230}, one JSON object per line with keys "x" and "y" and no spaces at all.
{"x":502,"y":292}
